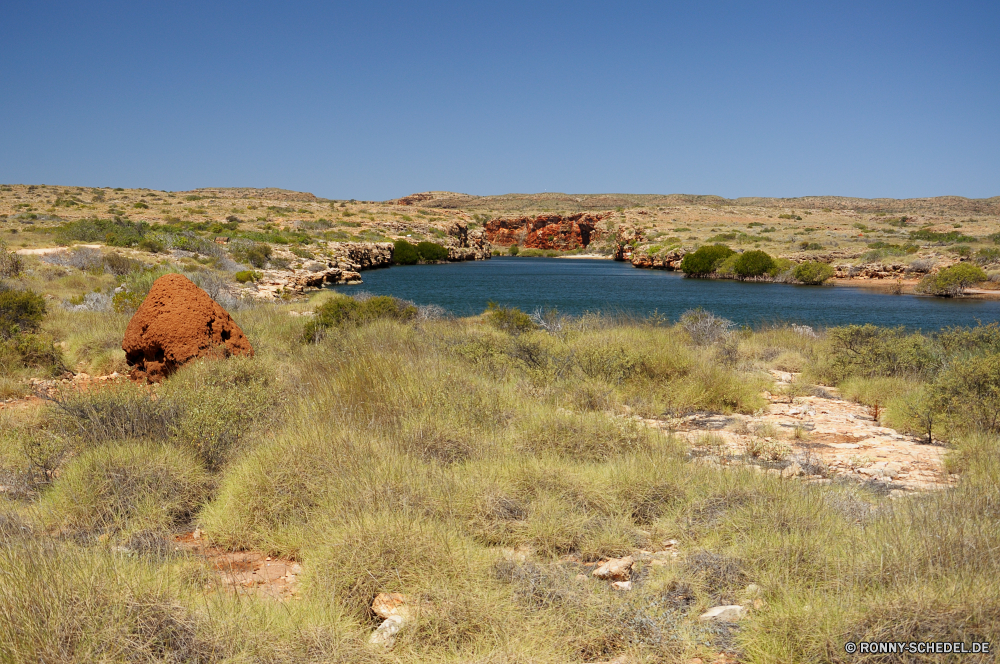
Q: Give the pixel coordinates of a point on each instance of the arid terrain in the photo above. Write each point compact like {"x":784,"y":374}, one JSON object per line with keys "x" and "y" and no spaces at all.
{"x":205,"y":456}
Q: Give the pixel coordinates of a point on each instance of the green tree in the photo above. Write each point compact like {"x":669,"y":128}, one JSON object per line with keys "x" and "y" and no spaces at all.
{"x":812,"y":272}
{"x":704,"y":261}
{"x":404,"y":253}
{"x":753,"y":263}
{"x":951,"y":281}
{"x":432,"y":251}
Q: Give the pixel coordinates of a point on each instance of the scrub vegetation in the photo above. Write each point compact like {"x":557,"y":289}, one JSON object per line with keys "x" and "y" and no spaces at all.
{"x":480,"y":466}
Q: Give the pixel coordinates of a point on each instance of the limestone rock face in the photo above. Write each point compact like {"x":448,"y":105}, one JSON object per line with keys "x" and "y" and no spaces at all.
{"x":546,"y":231}
{"x":176,"y":323}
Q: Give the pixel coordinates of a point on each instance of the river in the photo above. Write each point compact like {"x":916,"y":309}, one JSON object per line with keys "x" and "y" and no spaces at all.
{"x":576,"y":286}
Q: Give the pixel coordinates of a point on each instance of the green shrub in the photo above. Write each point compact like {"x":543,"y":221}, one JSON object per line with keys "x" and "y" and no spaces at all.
{"x":753,"y":263}
{"x":951,"y":281}
{"x":705,"y":260}
{"x":152,"y":245}
{"x":256,"y":254}
{"x":432,"y":251}
{"x":127,"y":487}
{"x":343,"y":311}
{"x":116,"y":233}
{"x":20,"y":311}
{"x":508,"y":319}
{"x":220,"y":404}
{"x":932,"y":236}
{"x":812,"y":272}
{"x":404,"y":253}
{"x":11,"y":265}
{"x":513,"y":250}
{"x":871,"y":351}
{"x":245,"y":276}
{"x":121,"y":266}
{"x":967,"y":392}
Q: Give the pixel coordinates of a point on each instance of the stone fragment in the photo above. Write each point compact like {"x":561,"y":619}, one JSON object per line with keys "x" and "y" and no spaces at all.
{"x":793,"y":470}
{"x":616,"y":569}
{"x":727,"y":613}
{"x":622,"y":585}
{"x":385,"y":634}
{"x":387,"y":605}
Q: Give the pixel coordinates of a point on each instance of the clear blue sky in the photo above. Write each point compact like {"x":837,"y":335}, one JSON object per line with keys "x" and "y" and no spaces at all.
{"x":374,"y":100}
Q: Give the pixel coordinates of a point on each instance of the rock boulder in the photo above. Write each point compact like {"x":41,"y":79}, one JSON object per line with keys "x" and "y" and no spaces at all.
{"x":176,"y":323}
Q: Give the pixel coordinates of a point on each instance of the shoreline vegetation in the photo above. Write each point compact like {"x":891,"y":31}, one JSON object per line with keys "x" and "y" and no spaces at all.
{"x":282,"y":243}
{"x":381,"y":482}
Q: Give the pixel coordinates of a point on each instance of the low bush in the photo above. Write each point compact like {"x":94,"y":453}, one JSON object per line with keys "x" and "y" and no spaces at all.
{"x":952,"y":281}
{"x":20,"y":311}
{"x":432,"y":251}
{"x":704,"y":260}
{"x":754,"y":263}
{"x":343,"y":311}
{"x":812,"y":272}
{"x":126,"y":488}
{"x":116,"y":233}
{"x":246,"y":276}
{"x":704,"y":327}
{"x":871,"y":351}
{"x":508,"y":319}
{"x":256,"y":254}
{"x":11,"y":265}
{"x":404,"y":253}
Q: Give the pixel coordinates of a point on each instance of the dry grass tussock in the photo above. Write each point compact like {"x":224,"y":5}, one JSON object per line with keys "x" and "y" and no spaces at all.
{"x":483,"y":473}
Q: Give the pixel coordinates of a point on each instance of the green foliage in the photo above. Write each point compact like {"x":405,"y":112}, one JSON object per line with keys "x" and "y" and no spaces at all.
{"x":513,"y":250}
{"x":256,"y":254}
{"x":813,"y":272}
{"x":508,"y":319}
{"x":135,"y":287}
{"x":152,"y":245}
{"x":116,"y":233}
{"x":345,"y":311}
{"x":432,"y":251}
{"x":404,"y":253}
{"x":705,"y":259}
{"x":753,"y":263}
{"x":932,"y":236}
{"x":140,"y":205}
{"x":790,"y":216}
{"x":20,"y":311}
{"x":121,"y":266}
{"x":951,"y":281}
{"x":967,"y":392}
{"x":127,"y":488}
{"x":871,"y":351}
{"x":11,"y":265}
{"x":245,"y":276}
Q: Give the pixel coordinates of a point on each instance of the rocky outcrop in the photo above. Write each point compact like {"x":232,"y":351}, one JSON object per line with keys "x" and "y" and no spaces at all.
{"x":626,"y":239}
{"x":346,"y":260}
{"x":466,"y":245}
{"x":547,"y":231}
{"x":176,"y":323}
{"x":670,"y":260}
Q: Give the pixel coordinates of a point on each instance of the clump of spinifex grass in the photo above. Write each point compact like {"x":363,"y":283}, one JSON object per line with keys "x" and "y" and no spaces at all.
{"x":483,"y":470}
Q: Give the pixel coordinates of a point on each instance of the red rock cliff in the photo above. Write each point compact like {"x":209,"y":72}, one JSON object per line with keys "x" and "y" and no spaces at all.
{"x":546,"y":231}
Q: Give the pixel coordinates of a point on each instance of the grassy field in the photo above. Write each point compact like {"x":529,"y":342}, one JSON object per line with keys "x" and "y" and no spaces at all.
{"x":483,"y":467}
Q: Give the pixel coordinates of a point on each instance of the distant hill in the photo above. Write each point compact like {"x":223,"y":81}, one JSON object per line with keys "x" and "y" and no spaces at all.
{"x":579,"y":202}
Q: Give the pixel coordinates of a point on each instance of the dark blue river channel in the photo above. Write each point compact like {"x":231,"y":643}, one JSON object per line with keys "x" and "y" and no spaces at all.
{"x":576,"y":286}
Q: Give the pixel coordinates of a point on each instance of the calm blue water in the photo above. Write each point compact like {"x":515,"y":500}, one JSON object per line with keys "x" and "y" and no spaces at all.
{"x":580,"y":285}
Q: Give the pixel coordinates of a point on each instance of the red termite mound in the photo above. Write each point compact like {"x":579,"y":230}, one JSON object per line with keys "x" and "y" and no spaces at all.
{"x":178,"y":322}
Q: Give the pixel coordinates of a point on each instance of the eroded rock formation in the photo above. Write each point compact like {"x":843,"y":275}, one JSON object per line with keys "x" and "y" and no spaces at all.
{"x":626,"y":240}
{"x":547,"y":231}
{"x":670,"y":260}
{"x":466,"y":245}
{"x":176,"y":323}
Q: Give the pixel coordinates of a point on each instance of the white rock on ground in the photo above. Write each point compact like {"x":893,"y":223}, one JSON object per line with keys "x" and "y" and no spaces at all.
{"x":385,"y":635}
{"x":616,"y":569}
{"x":727,"y":613}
